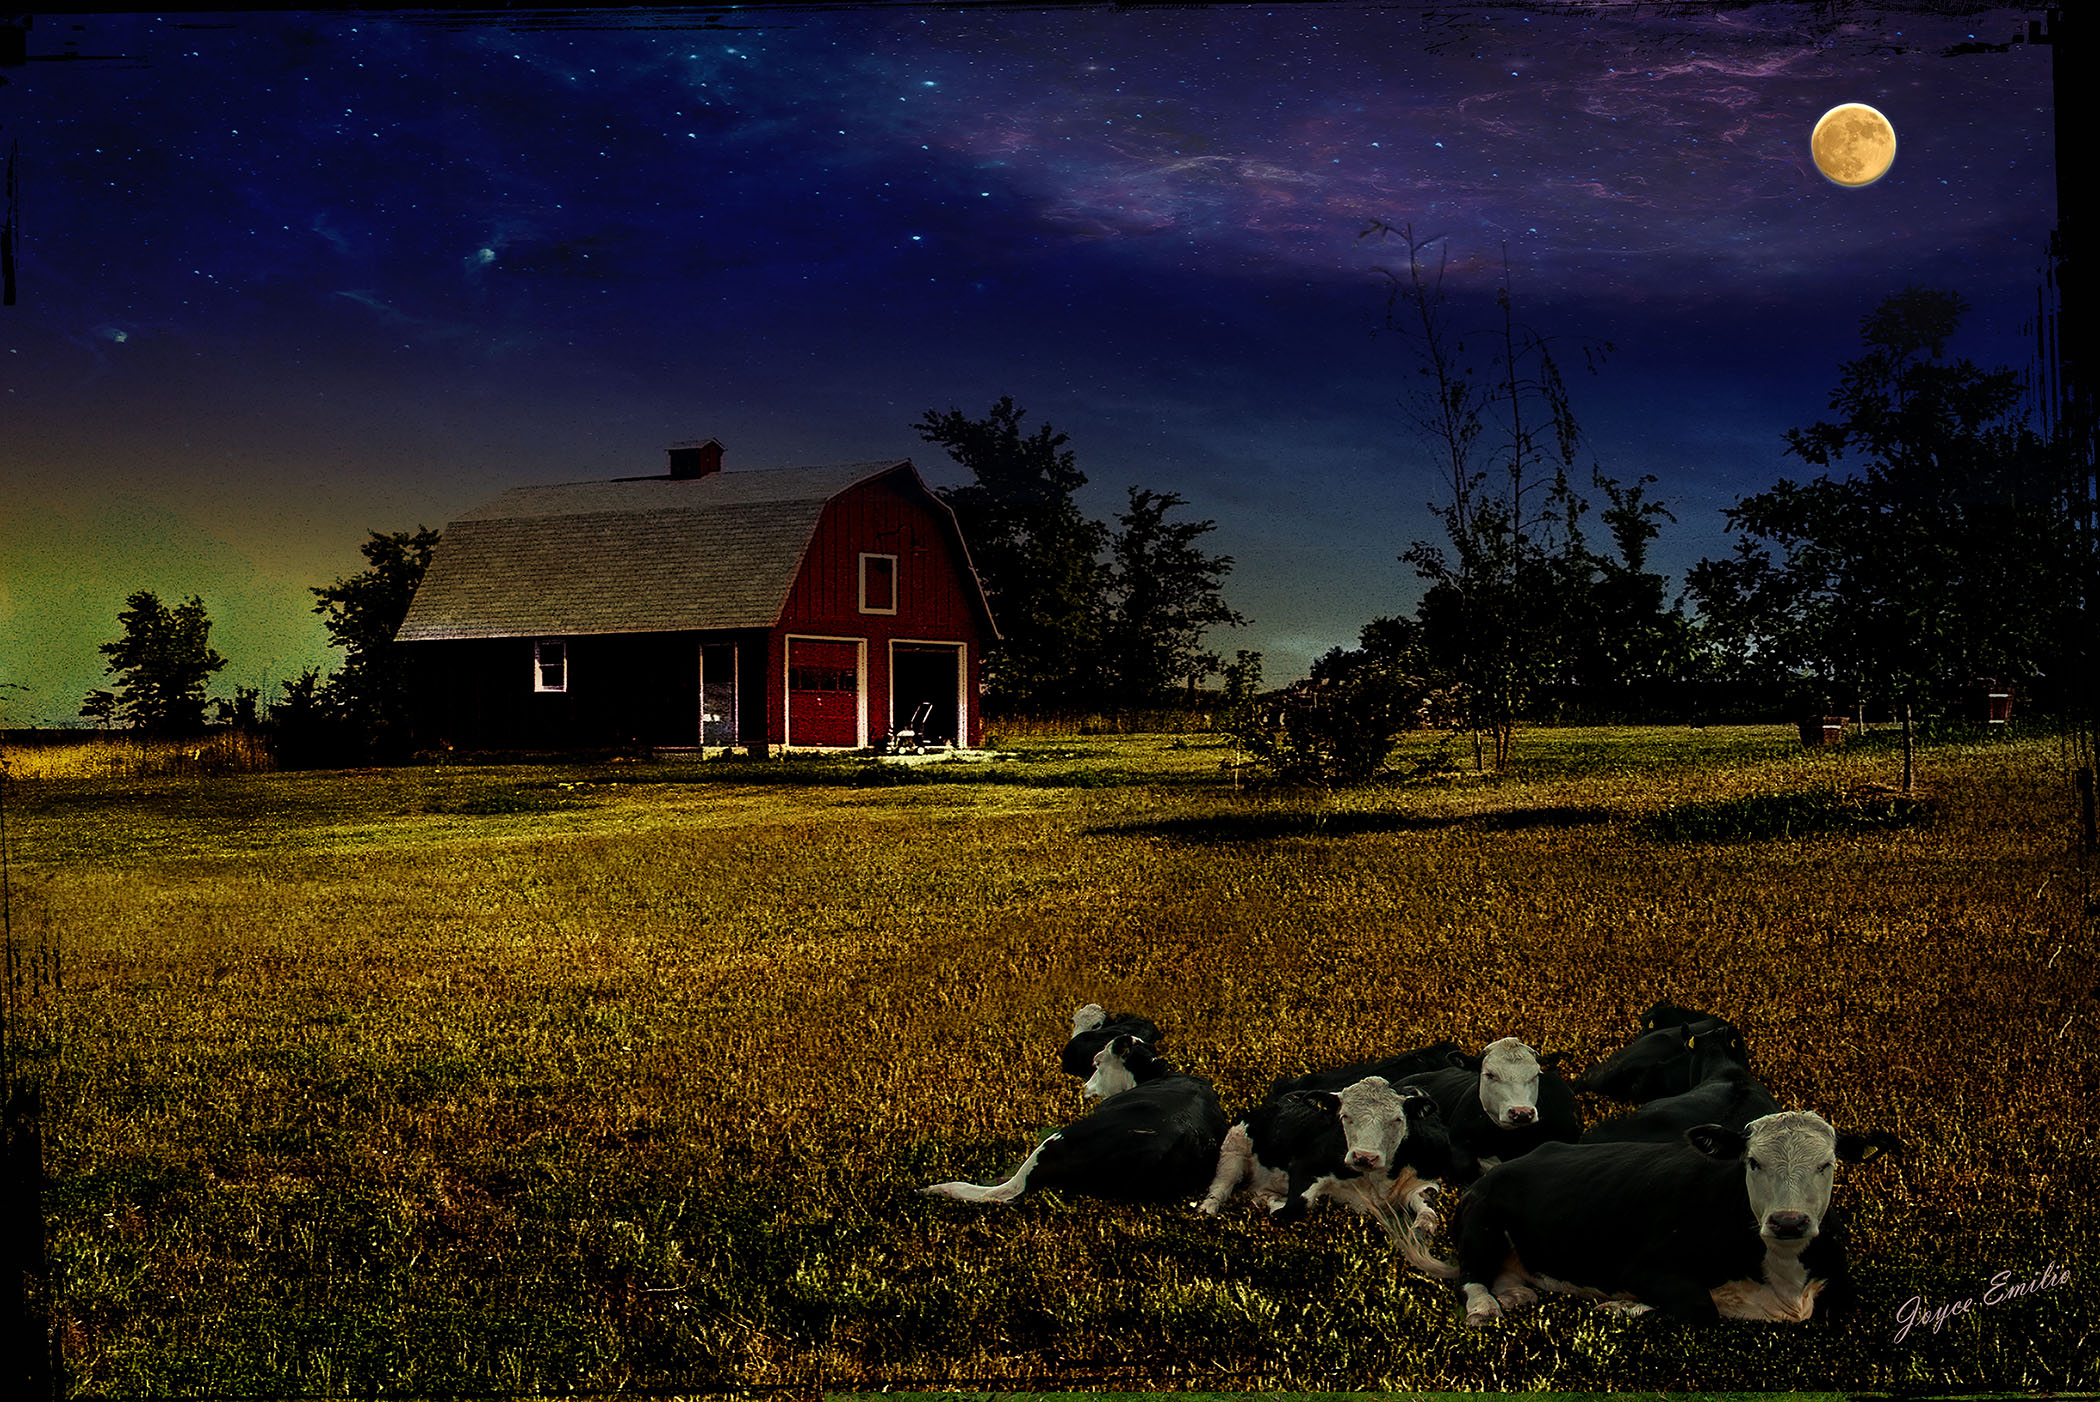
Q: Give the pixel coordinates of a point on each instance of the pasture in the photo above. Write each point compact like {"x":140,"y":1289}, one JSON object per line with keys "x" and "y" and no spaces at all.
{"x":547,"y":1079}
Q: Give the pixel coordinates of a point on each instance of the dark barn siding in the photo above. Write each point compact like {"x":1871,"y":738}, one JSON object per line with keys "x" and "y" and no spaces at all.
{"x":625,"y":689}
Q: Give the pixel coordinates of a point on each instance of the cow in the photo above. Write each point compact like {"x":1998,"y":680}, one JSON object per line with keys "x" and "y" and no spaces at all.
{"x":1367,"y":1145}
{"x":1722,"y":1092}
{"x":1721,"y":1224}
{"x":1438,"y":1056}
{"x":1154,"y":1142}
{"x":1659,"y":1061}
{"x":1668,"y":1014}
{"x":1094,"y":1027}
{"x":1509,"y":1106}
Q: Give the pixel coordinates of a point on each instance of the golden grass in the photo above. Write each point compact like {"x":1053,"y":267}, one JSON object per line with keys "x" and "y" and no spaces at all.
{"x":444,"y":1079}
{"x":126,"y":757}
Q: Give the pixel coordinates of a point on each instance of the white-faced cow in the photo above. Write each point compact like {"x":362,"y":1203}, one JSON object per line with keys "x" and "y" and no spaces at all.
{"x":1154,"y":1142}
{"x":1512,"y":1104}
{"x":1094,"y":1027}
{"x":1721,"y":1224}
{"x":1723,"y":1092}
{"x":1375,"y":1148}
{"x":1659,"y":1061}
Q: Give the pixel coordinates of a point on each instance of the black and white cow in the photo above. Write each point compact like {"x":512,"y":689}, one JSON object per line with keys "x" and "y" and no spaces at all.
{"x":1370,"y":1146}
{"x":1437,"y":1056}
{"x":1094,"y":1027}
{"x":1154,"y":1142}
{"x":1721,"y":1224}
{"x":1659,"y":1061}
{"x":1722,"y":1092}
{"x":1509,"y":1106}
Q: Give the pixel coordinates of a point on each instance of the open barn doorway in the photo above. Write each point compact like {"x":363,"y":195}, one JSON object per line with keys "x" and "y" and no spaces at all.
{"x":718,"y":694}
{"x":927,"y":676}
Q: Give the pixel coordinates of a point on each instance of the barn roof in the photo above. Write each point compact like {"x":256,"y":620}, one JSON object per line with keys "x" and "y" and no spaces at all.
{"x":646,"y":555}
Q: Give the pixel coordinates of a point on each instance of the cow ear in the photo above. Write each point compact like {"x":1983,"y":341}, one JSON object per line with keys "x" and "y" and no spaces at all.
{"x":1865,"y":1148}
{"x":1717,"y":1141}
{"x":1416,"y":1101}
{"x":1321,"y":1100}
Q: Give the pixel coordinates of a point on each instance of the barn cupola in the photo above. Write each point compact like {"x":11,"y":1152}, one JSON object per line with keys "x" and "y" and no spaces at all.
{"x":696,"y":459}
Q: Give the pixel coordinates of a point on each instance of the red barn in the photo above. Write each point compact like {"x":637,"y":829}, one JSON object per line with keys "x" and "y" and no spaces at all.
{"x":801,"y":607}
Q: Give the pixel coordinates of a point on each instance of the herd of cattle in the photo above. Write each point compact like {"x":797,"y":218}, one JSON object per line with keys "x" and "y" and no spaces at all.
{"x":1708,"y":1201}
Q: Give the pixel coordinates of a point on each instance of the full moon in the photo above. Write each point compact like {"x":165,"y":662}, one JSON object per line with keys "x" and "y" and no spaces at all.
{"x":1853,"y":145}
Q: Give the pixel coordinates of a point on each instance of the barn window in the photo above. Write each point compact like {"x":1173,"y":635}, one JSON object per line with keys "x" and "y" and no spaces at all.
{"x":803,"y":677}
{"x":550,"y":665}
{"x":878,"y":584}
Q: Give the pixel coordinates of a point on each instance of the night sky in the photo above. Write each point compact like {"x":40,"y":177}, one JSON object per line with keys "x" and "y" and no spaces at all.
{"x":285,"y":279}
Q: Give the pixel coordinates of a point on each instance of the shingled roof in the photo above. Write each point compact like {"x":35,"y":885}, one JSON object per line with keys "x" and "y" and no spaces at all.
{"x":646,"y":555}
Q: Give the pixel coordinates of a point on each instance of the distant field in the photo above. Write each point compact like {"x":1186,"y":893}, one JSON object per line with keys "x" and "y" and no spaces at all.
{"x":540,"y":1078}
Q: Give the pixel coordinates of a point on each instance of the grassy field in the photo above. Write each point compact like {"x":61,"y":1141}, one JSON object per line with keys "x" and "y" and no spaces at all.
{"x":543,"y":1079}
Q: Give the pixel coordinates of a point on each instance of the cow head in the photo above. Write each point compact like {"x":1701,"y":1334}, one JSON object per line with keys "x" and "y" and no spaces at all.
{"x":1121,"y":1064}
{"x":1377,"y":1119}
{"x":1713,"y":1047}
{"x":1665,"y":1061}
{"x":1509,"y":1083}
{"x":1667,"y":1014}
{"x":1789,"y":1165}
{"x":1088,"y":1018}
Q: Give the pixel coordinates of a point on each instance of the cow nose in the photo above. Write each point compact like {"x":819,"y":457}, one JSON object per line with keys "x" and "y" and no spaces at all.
{"x":1364,"y":1158}
{"x":1788,"y":1225}
{"x":1522,"y":1115}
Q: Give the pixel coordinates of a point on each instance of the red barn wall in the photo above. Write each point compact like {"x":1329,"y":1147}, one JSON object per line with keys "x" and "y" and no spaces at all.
{"x":935,"y":596}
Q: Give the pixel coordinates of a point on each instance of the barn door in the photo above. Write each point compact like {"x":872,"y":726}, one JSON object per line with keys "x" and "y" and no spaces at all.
{"x":718,"y":693}
{"x":927,"y":677}
{"x":824,"y":692}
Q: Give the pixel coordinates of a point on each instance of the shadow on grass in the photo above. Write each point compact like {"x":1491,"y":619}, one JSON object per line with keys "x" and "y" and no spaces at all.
{"x":1267,"y":827}
{"x":1802,"y":813}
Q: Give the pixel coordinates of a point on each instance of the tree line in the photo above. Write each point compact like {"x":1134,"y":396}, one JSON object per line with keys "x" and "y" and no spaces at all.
{"x":1935,"y":544}
{"x":164,"y":662}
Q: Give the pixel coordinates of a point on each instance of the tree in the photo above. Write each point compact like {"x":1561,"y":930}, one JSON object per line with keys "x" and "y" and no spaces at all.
{"x":100,"y":707}
{"x":369,"y":694}
{"x":1339,"y":724}
{"x":1506,"y":441}
{"x":1620,"y":634}
{"x":1037,"y":554}
{"x":1940,"y":559}
{"x":163,"y":662}
{"x":240,"y":712}
{"x":306,"y":731}
{"x":1163,"y":596}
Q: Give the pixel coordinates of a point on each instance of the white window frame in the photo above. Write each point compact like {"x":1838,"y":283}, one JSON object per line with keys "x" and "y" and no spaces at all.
{"x":539,"y":664}
{"x":896,"y":582}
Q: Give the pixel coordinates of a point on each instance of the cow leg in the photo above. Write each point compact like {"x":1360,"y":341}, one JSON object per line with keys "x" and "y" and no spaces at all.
{"x":1235,"y":1161}
{"x":1625,"y":1309}
{"x":1299,"y":1197}
{"x":998,"y":1192}
{"x":1680,"y":1297}
{"x":1424,"y":1220}
{"x":1512,"y":1289}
